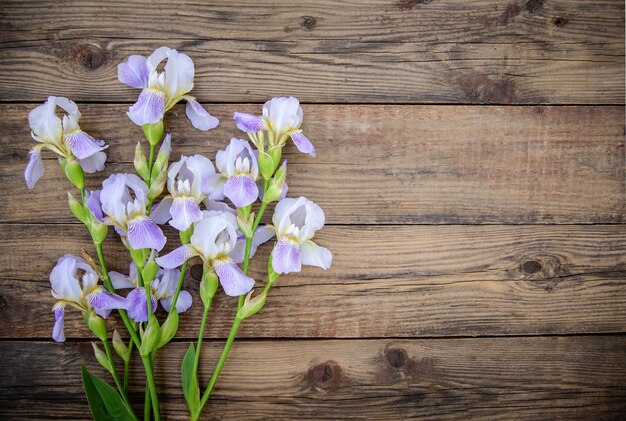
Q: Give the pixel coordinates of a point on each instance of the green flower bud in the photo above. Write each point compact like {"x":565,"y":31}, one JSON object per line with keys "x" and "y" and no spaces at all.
{"x":169,"y":328}
{"x":185,"y":236}
{"x":162,"y":157}
{"x":150,"y":337}
{"x":74,"y":172}
{"x":277,"y":185}
{"x":208,"y":285}
{"x":153,"y":132}
{"x":157,"y":186}
{"x":141,"y":163}
{"x":251,"y":306}
{"x":97,"y":325}
{"x":139,"y":257}
{"x":245,"y":211}
{"x":276,"y":154}
{"x":120,"y":347}
{"x":150,"y":269}
{"x":102,"y":358}
{"x":266,"y":165}
{"x":98,"y":231}
{"x":245,"y":224}
{"x":77,"y":208}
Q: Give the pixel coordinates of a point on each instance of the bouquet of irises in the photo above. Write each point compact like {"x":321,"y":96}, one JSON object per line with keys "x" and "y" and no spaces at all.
{"x":210,"y":206}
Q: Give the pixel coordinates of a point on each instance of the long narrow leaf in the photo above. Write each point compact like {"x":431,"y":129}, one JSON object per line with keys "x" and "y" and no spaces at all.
{"x":190,"y":381}
{"x":104,"y":401}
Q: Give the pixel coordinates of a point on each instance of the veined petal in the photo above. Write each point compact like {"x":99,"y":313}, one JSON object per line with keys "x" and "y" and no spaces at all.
{"x":120,"y":281}
{"x":303,"y":144}
{"x":149,"y":108}
{"x":241,"y":190}
{"x":104,"y":300}
{"x":44,"y":123}
{"x":83,"y":145}
{"x":160,"y":213}
{"x":176,"y":257}
{"x":249,"y":123}
{"x":185,"y":211}
{"x":133,"y":72}
{"x":199,"y":117}
{"x":93,"y":163}
{"x":94,"y":205}
{"x":233,"y":280}
{"x":182,"y":304}
{"x":143,"y":233}
{"x":179,"y":72}
{"x":136,"y":305}
{"x":286,"y":257}
{"x":213,"y":186}
{"x":34,"y":169}
{"x":314,"y":255}
{"x":283,"y":113}
{"x":156,"y":58}
{"x":59,"y":317}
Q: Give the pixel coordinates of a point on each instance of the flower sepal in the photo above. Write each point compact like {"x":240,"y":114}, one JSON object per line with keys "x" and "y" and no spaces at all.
{"x":98,"y":231}
{"x":157,"y":185}
{"x":266,"y":165}
{"x":168,"y":329}
{"x":141,"y":163}
{"x":277,"y":185}
{"x":208,"y":285}
{"x":150,"y":270}
{"x":139,"y":256}
{"x":150,"y":337}
{"x":74,"y":172}
{"x":153,"y":132}
{"x":120,"y":347}
{"x":77,"y":208}
{"x":102,"y":358}
{"x":251,"y":306}
{"x":97,"y":325}
{"x":245,"y":224}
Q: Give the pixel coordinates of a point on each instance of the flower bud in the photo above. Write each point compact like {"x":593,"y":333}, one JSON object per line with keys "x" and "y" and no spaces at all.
{"x":98,"y":231}
{"x":208,"y":285}
{"x":185,"y":236}
{"x":276,"y":154}
{"x":157,"y":186}
{"x":139,"y":257}
{"x":150,"y":270}
{"x":120,"y":347}
{"x":141,"y":163}
{"x":153,"y":132}
{"x":162,"y":157}
{"x":245,"y":211}
{"x":77,"y":208}
{"x":150,"y":337}
{"x":74,"y":172}
{"x":169,"y":328}
{"x":251,"y":306}
{"x":102,"y":358}
{"x":97,"y":325}
{"x":277,"y":185}
{"x":266,"y":165}
{"x":245,"y":224}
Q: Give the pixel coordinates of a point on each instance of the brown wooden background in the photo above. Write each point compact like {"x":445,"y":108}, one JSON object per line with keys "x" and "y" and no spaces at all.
{"x":471,"y":166}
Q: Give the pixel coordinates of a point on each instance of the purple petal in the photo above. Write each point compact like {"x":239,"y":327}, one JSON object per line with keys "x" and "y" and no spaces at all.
{"x":134,"y":72}
{"x":314,"y":255}
{"x":149,"y":108}
{"x":233,"y":280}
{"x":286,"y":257}
{"x":143,"y":233}
{"x":161,"y":213}
{"x":249,"y":123}
{"x":176,"y":257}
{"x":303,"y":144}
{"x":185,"y":211}
{"x":93,"y":163}
{"x":199,"y":117}
{"x":59,"y":316}
{"x":136,"y":305}
{"x":95,"y":206}
{"x":241,"y":190}
{"x":34,"y":169}
{"x":120,"y":281}
{"x":182,"y":304}
{"x":83,"y":145}
{"x":104,"y":300}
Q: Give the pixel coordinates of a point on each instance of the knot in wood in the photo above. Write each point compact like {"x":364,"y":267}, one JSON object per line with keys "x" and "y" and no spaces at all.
{"x":196,"y":272}
{"x":396,"y":357}
{"x":91,"y":58}
{"x":3,"y":302}
{"x":531,"y":266}
{"x":559,"y":22}
{"x":309,"y":23}
{"x":532,"y":6}
{"x":325,"y":376}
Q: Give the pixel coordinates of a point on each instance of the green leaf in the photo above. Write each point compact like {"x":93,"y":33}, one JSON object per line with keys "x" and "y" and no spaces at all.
{"x":104,"y":401}
{"x":190,"y":380}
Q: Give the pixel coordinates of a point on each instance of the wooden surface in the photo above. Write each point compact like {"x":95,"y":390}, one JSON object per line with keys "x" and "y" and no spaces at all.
{"x":479,"y":250}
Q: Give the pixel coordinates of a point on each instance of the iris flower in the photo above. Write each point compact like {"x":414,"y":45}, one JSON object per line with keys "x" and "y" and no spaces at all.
{"x":281,"y":119}
{"x":295,"y":222}
{"x":239,"y":171}
{"x":122,"y":203}
{"x":63,"y":137}
{"x":162,"y":289}
{"x":75,"y":283}
{"x":214,"y":238}
{"x":162,"y":90}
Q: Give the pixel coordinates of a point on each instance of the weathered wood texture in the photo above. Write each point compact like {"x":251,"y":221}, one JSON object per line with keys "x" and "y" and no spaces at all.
{"x":570,"y":378}
{"x":471,"y":51}
{"x":386,"y":164}
{"x":385,"y":282}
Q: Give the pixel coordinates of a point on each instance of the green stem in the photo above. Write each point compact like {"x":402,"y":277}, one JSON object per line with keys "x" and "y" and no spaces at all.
{"x":196,"y":360}
{"x":151,"y":162}
{"x":183,"y":268}
{"x":146,"y":405}
{"x":116,"y":378}
{"x":152,"y":387}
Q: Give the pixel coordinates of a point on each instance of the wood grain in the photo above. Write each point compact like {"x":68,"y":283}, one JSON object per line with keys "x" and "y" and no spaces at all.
{"x":401,"y":281}
{"x":472,"y":51}
{"x":385,"y":164}
{"x":568,"y":378}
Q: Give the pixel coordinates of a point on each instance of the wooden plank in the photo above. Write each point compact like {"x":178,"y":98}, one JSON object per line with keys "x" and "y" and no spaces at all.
{"x":568,"y":378}
{"x":407,"y":281}
{"x":473,"y":51}
{"x":386,"y":164}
